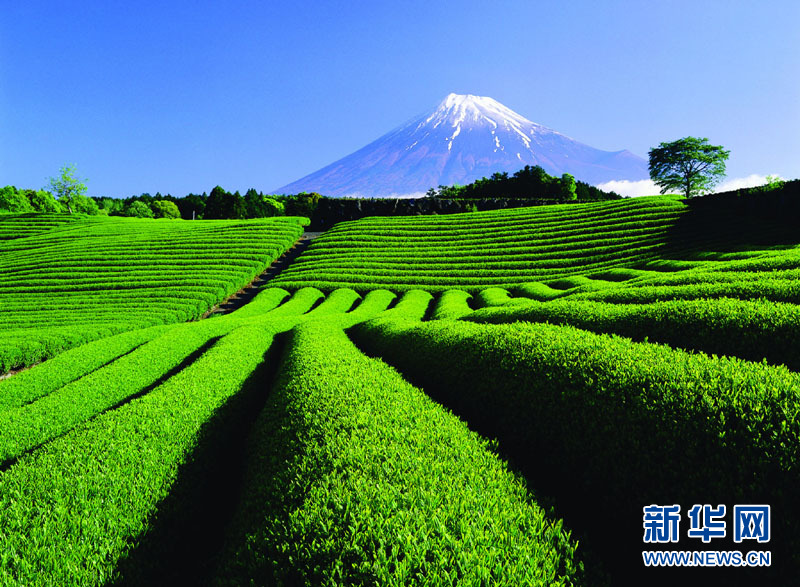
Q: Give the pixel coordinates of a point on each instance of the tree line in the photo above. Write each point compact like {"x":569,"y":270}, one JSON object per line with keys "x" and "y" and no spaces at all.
{"x":689,"y":165}
{"x":219,"y":204}
{"x":530,"y":182}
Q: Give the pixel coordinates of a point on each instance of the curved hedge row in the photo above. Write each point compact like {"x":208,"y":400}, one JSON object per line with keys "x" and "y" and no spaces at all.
{"x":752,"y":330}
{"x":626,"y":423}
{"x":355,"y":477}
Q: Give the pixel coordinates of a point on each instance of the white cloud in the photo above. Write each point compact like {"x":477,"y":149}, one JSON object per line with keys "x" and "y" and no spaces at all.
{"x":631,"y":189}
{"x":646,"y":187}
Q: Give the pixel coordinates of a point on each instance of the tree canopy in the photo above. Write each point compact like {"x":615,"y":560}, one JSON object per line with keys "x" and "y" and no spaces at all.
{"x":12,"y":200}
{"x":70,"y":190}
{"x":165,"y":209}
{"x":225,"y":205}
{"x":689,"y":165}
{"x":530,"y":182}
{"x":138,"y":209}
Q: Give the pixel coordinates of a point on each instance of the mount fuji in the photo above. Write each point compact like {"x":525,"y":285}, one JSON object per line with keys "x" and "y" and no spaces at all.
{"x":464,"y":138}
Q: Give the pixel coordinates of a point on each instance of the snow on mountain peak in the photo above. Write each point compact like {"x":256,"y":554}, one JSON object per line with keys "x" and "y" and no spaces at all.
{"x":461,"y":107}
{"x":464,"y":138}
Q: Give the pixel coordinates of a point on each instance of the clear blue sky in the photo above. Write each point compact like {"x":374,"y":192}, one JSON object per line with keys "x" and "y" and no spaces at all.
{"x":177,"y":97}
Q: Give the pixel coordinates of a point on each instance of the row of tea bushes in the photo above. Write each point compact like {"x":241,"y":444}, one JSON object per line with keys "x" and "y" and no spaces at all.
{"x":752,"y":330}
{"x":91,"y":277}
{"x":355,"y":477}
{"x":628,"y":424}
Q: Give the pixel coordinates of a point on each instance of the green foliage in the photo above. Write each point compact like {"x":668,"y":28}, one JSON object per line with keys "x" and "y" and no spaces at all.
{"x":116,"y":470}
{"x":774,"y":182}
{"x":303,"y":204}
{"x":28,"y":386}
{"x":689,"y":165}
{"x":528,"y":183}
{"x":111,"y":206}
{"x":165,"y":209}
{"x":502,"y":248}
{"x":626,"y":423}
{"x":568,"y":186}
{"x":62,"y":288}
{"x":353,"y":476}
{"x":84,"y":205}
{"x":261,"y":206}
{"x":753,"y":330}
{"x":138,"y":209}
{"x":274,"y":207}
{"x":356,"y":477}
{"x":120,"y":466}
{"x":68,"y":189}
{"x":11,"y":200}
{"x":192,"y":207}
{"x":61,"y":410}
{"x":224,"y":205}
{"x":451,"y":304}
{"x":43,"y":201}
{"x":412,"y":305}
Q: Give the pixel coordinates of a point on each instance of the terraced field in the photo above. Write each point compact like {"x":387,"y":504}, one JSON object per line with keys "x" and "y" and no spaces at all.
{"x":328,"y":435}
{"x":498,"y":248}
{"x":66,"y":280}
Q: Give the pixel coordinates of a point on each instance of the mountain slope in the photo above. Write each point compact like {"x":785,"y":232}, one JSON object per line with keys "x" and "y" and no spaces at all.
{"x":465,"y":138}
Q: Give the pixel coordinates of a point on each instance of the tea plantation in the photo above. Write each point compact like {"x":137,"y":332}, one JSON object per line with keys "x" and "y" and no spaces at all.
{"x":66,"y":280}
{"x":487,"y":398}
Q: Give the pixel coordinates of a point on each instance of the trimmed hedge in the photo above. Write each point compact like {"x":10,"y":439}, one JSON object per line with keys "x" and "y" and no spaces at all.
{"x":355,"y":477}
{"x":626,"y":423}
{"x":752,"y":330}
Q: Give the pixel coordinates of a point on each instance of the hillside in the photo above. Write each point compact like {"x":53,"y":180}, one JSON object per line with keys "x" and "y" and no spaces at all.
{"x":637,"y":352}
{"x":68,"y":279}
{"x":550,"y":250}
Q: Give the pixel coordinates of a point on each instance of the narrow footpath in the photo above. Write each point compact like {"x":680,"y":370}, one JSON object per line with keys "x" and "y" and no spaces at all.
{"x":247,"y":293}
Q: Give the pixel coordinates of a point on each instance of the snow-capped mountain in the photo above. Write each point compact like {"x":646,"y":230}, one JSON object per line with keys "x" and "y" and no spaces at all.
{"x":465,"y":138}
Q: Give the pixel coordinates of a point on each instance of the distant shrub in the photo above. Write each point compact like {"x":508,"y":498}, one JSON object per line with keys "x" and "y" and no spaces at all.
{"x":43,"y":201}
{"x":85,"y":205}
{"x":303,"y":204}
{"x":165,"y":209}
{"x":274,"y":207}
{"x":224,"y":205}
{"x":774,"y":182}
{"x":138,"y":209}
{"x":12,"y":200}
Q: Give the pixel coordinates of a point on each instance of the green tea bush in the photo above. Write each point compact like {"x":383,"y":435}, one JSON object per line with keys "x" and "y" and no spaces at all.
{"x":629,"y":424}
{"x":355,"y":477}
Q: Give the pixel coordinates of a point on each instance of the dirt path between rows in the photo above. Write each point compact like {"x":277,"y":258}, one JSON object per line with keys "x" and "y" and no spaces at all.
{"x":247,"y":293}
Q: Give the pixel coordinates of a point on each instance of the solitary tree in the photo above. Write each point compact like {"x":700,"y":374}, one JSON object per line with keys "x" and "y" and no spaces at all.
{"x":689,"y":165}
{"x":67,"y":188}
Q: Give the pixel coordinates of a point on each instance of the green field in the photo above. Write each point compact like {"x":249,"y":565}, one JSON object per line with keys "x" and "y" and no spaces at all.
{"x":66,"y":280}
{"x":487,"y":398}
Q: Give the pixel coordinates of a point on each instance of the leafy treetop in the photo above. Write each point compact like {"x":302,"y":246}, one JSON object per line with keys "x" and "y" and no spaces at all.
{"x":689,"y":165}
{"x":67,"y":188}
